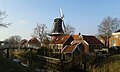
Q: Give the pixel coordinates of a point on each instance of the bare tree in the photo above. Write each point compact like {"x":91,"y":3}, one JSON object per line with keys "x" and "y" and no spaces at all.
{"x":107,"y":27}
{"x":69,"y":29}
{"x":13,"y":39}
{"x":40,"y":32}
{"x":3,"y":15}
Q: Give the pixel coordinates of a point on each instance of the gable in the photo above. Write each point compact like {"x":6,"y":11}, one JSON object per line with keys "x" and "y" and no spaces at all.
{"x":69,"y":48}
{"x":75,"y":37}
{"x":69,"y":40}
{"x":33,"y":41}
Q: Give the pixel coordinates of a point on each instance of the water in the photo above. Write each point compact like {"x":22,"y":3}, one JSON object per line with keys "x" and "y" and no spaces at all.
{"x":39,"y":66}
{"x":36,"y":66}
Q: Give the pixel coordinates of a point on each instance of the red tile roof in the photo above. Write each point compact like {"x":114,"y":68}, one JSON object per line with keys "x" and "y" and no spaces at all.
{"x":75,"y":37}
{"x":60,"y":39}
{"x":69,"y":48}
{"x":33,"y":41}
{"x":91,"y":39}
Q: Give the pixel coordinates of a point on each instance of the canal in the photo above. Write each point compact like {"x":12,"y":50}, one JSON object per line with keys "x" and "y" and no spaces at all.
{"x":34,"y":65}
{"x":40,"y":66}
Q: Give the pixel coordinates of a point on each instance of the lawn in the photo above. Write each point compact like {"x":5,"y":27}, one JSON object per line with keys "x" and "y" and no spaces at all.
{"x":111,"y":64}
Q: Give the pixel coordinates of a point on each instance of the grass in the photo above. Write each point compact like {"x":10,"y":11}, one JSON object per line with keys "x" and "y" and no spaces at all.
{"x":111,"y":64}
{"x":9,"y":66}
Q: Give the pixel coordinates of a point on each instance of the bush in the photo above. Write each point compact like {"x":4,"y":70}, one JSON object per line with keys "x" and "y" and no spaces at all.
{"x":114,"y":50}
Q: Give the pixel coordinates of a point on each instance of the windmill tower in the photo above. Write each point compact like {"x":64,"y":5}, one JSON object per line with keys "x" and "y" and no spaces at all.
{"x":59,"y":26}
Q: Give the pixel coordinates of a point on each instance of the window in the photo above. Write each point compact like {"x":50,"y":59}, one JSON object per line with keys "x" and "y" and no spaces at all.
{"x":116,"y":36}
{"x":113,"y":43}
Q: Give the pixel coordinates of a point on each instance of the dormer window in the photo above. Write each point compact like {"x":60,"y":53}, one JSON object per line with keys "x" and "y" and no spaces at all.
{"x":56,"y":38}
{"x":62,"y":39}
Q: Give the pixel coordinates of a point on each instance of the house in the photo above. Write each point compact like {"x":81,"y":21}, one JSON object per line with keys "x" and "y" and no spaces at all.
{"x":102,"y":38}
{"x":23,"y":42}
{"x":59,"y":42}
{"x":83,"y":45}
{"x":88,"y":43}
{"x":70,"y":48}
{"x":71,"y":54}
{"x":93,"y":43}
{"x":65,"y":49}
{"x":33,"y":42}
{"x":114,"y":40}
{"x":45,"y":42}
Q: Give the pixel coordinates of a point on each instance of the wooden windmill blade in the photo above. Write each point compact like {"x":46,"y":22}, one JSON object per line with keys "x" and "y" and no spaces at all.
{"x":62,"y":17}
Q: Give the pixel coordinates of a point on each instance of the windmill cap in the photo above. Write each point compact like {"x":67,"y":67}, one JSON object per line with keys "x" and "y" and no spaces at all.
{"x":57,"y":20}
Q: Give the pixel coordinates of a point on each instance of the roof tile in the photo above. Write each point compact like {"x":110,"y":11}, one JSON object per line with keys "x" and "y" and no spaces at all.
{"x":59,"y":39}
{"x":91,"y":39}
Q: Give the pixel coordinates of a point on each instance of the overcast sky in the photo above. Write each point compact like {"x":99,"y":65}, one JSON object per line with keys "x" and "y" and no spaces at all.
{"x":84,"y":15}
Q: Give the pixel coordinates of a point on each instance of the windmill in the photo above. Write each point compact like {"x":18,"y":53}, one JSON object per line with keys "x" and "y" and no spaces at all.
{"x":58,"y":26}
